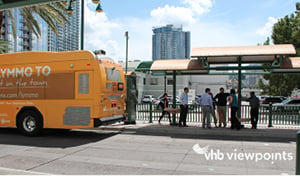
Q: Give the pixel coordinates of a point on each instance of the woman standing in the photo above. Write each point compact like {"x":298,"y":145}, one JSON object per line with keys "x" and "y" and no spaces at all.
{"x":165,"y":105}
{"x":234,"y":107}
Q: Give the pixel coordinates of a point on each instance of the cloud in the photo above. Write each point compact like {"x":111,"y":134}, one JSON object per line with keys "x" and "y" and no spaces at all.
{"x":99,"y":30}
{"x":199,"y":6}
{"x":173,"y":15}
{"x":267,"y":29}
{"x":185,"y":15}
{"x":108,"y":34}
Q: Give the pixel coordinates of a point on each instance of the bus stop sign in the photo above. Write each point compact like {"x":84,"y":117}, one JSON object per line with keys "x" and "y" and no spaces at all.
{"x":8,"y":4}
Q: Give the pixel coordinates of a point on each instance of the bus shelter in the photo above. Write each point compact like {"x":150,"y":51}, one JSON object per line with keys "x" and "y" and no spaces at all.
{"x":264,"y":59}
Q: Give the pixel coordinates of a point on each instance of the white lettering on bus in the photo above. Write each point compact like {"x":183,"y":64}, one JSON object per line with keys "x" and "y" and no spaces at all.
{"x":10,"y":73}
{"x":2,"y":72}
{"x":25,"y":71}
{"x":28,"y":71}
{"x":46,"y":70}
{"x":20,"y":72}
{"x":27,"y":95}
{"x":38,"y":83}
{"x":38,"y":69}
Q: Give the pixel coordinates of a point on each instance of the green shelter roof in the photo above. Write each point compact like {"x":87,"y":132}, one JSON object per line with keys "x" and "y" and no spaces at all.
{"x":144,"y":66}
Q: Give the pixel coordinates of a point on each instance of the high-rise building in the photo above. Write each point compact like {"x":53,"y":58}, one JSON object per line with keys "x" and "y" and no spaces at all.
{"x":68,"y":35}
{"x":23,"y":42}
{"x":170,"y":42}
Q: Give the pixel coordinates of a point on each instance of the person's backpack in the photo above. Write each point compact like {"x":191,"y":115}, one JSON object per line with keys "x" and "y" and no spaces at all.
{"x":160,"y":105}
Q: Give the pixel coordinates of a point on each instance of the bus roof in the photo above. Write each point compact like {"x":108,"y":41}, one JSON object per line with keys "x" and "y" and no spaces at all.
{"x":45,"y":56}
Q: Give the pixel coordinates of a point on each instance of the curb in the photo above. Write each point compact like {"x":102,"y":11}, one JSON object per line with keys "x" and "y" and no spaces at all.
{"x":266,"y":134}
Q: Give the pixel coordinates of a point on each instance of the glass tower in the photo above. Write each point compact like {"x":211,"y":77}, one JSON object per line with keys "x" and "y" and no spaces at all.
{"x":170,"y":42}
{"x":68,"y":36}
{"x":25,"y":40}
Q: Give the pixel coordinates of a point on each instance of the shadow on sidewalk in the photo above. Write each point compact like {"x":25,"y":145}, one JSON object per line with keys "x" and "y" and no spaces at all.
{"x":52,"y":138}
{"x":196,"y":132}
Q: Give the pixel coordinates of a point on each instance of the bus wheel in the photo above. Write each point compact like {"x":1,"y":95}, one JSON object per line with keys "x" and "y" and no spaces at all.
{"x":30,"y":123}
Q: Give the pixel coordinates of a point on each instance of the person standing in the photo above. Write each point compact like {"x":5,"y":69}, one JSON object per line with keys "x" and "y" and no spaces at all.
{"x":254,"y":104}
{"x":213,"y":113}
{"x":183,"y":107}
{"x":235,"y":123}
{"x":206,"y":103}
{"x":165,"y":105}
{"x":221,"y":101}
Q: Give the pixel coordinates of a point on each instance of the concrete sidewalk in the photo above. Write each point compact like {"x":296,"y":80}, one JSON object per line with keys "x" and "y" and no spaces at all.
{"x":263,"y":133}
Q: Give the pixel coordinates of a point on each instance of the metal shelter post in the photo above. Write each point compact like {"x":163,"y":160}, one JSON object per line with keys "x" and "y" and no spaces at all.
{"x":298,"y":154}
{"x":165,"y":83}
{"x":239,"y":85}
{"x":174,"y":98}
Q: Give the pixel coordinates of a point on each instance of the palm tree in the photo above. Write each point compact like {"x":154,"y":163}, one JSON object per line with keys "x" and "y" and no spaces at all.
{"x":3,"y":46}
{"x":51,"y":13}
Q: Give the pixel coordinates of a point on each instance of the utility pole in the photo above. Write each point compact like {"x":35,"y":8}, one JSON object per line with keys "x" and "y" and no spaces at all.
{"x":82,"y":26}
{"x":126,"y":58}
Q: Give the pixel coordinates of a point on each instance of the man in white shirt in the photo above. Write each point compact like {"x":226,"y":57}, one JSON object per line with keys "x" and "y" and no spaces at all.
{"x":183,"y":107}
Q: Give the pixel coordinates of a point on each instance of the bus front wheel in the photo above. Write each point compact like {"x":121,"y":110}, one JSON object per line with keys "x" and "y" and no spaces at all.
{"x":30,"y":123}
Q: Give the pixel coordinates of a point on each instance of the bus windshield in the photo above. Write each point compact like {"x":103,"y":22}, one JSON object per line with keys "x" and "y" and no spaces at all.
{"x":113,"y":74}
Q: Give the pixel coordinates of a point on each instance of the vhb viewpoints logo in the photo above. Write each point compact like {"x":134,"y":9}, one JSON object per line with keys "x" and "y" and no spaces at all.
{"x":241,"y":156}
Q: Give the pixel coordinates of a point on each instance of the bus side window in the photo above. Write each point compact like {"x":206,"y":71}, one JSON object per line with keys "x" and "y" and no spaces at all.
{"x":83,"y":83}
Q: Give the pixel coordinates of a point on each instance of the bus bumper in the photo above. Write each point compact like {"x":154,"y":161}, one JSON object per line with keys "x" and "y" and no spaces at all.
{"x":108,"y":120}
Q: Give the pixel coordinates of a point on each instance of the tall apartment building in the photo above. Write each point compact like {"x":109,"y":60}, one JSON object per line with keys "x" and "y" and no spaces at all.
{"x":6,"y":33}
{"x":170,"y":42}
{"x":68,"y":35}
{"x":23,"y":42}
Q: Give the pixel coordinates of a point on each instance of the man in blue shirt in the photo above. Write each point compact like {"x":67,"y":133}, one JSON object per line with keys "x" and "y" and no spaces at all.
{"x":206,"y":103}
{"x":254,"y":104}
{"x":183,"y":107}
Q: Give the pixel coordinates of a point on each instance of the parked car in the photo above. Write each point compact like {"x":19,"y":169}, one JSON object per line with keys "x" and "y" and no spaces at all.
{"x":148,"y":99}
{"x":170,"y":100}
{"x":272,"y":100}
{"x":197,"y":99}
{"x":261,"y":98}
{"x":160,"y":100}
{"x":290,"y":104}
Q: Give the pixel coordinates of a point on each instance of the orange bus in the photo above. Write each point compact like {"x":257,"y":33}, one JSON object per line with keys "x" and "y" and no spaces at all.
{"x":64,"y":90}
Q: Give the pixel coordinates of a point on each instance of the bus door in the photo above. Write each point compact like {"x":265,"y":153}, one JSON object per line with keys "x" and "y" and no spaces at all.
{"x":79,"y":113}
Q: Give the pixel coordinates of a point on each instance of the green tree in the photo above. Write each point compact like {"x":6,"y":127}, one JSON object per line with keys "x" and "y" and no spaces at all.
{"x":285,"y":31}
{"x":3,"y":46}
{"x":267,"y":42}
{"x":51,"y":13}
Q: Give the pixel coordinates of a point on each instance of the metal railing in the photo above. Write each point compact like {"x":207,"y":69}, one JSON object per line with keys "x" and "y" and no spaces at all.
{"x":298,"y":154}
{"x":269,"y":115}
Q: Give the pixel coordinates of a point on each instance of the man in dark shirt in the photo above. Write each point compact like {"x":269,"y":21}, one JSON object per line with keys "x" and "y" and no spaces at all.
{"x":254,"y":104}
{"x":221,"y":101}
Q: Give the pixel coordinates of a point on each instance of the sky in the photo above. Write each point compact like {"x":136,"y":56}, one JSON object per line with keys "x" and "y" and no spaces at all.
{"x":211,"y":23}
